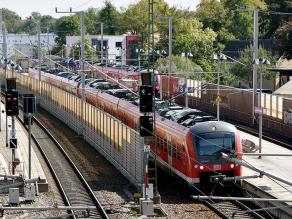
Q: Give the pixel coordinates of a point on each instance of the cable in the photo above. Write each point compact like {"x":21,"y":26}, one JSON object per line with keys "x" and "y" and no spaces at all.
{"x":196,"y":160}
{"x":81,"y":5}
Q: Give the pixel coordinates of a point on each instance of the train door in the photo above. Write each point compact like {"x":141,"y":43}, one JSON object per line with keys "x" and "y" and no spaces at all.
{"x":169,"y":149}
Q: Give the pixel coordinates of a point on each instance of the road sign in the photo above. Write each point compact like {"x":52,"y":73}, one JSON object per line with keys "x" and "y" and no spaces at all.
{"x":181,"y":89}
{"x":218,"y":99}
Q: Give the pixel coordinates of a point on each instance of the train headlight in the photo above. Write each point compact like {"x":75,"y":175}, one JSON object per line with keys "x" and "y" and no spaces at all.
{"x":201,"y":167}
{"x":232,"y":165}
{"x":196,"y":166}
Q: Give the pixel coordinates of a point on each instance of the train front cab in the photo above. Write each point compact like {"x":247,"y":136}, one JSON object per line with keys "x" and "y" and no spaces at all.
{"x":205,"y":149}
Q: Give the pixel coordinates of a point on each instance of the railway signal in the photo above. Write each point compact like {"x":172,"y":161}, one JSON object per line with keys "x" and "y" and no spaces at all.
{"x":11,"y":103}
{"x":146,"y":95}
{"x":146,"y":126}
{"x":11,"y":83}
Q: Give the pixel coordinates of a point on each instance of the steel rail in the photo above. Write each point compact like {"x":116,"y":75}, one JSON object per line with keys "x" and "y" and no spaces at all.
{"x":73,"y":166}
{"x":225,"y":212}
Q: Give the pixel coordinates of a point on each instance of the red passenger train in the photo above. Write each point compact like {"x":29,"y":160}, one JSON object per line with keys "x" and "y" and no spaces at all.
{"x":192,"y":154}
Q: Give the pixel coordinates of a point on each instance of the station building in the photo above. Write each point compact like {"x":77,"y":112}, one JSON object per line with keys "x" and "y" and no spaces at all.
{"x":120,"y":49}
{"x":27,"y":44}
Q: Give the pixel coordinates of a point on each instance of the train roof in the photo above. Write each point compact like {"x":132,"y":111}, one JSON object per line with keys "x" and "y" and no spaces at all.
{"x":211,"y":126}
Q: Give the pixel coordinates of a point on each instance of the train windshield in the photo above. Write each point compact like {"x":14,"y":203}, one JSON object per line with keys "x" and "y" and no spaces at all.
{"x":214,"y":143}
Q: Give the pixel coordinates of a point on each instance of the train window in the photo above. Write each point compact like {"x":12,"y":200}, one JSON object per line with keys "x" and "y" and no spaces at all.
{"x":92,"y":114}
{"x":165,"y":145}
{"x":184,"y":147}
{"x":129,"y":136}
{"x":97,"y":121}
{"x":178,"y":153}
{"x":109,"y":126}
{"x":116,"y":134}
{"x":136,"y":124}
{"x":124,"y":135}
{"x":105,"y":131}
{"x":120,"y":143}
{"x":174,"y":151}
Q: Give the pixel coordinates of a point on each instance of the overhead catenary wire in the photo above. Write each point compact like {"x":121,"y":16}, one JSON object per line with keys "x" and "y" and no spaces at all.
{"x":200,"y":163}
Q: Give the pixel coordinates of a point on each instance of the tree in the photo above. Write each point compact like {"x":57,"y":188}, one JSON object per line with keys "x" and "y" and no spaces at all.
{"x":241,"y":23}
{"x":110,"y":17}
{"x":65,"y":26}
{"x":29,"y":25}
{"x":47,"y":23}
{"x":88,"y":51}
{"x":244,"y":72}
{"x":135,"y":18}
{"x":272,"y":21}
{"x":189,"y":36}
{"x":213,"y":15}
{"x":91,"y":21}
{"x":180,"y":65}
{"x":11,"y":20}
{"x":284,"y":34}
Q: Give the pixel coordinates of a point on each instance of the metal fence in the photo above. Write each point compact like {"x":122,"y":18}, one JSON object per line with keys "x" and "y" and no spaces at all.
{"x":118,"y":143}
{"x":237,"y":104}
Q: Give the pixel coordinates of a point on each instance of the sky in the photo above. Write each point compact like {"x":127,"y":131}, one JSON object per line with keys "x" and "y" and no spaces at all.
{"x":47,"y":7}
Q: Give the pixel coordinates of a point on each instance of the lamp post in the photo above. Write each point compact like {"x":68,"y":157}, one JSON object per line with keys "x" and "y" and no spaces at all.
{"x":186,"y":55}
{"x":219,"y":57}
{"x":139,"y":51}
{"x":106,"y":54}
{"x":260,"y":62}
{"x":161,"y":54}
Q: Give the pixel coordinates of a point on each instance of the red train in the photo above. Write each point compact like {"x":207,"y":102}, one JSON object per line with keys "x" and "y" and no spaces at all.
{"x":192,"y":154}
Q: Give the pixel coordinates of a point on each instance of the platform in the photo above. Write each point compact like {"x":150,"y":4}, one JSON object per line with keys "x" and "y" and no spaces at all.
{"x":21,"y":153}
{"x":275,"y":165}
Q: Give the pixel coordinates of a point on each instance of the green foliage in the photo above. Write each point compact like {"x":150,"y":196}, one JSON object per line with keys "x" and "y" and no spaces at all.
{"x":135,"y":18}
{"x":29,"y":25}
{"x":66,"y":26}
{"x":180,"y":65}
{"x":190,"y":36}
{"x":12,"y":21}
{"x":284,"y":33}
{"x":271,"y":22}
{"x":241,"y":25}
{"x":245,"y":71}
{"x":110,"y":17}
{"x":89,"y":52}
{"x":91,"y":21}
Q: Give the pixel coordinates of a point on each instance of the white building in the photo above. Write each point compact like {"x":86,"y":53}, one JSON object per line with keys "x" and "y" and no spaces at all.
{"x":27,"y":44}
{"x":116,"y":49}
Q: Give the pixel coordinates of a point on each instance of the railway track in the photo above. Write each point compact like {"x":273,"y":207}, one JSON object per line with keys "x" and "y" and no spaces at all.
{"x":73,"y":187}
{"x":229,"y":209}
{"x":268,"y":137}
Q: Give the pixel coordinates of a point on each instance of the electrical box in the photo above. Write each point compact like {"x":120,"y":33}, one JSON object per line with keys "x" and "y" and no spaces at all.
{"x":29,"y":192}
{"x":14,"y":196}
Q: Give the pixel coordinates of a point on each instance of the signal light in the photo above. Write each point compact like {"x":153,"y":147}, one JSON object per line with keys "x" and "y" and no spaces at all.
{"x":146,"y":126}
{"x":11,"y":83}
{"x":11,"y":103}
{"x":146,"y":95}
